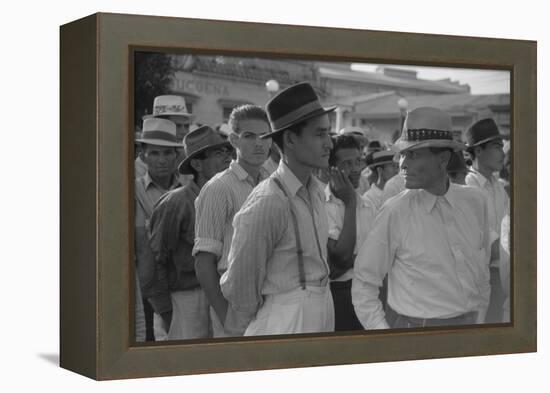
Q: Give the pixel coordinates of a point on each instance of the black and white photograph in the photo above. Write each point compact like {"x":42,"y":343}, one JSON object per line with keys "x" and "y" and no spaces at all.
{"x":148,"y":245}
{"x":283,"y":196}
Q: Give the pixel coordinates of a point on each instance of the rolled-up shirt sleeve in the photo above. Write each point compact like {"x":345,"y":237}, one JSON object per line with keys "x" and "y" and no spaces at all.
{"x":372,"y":263}
{"x":212,"y":207}
{"x":258,"y":227}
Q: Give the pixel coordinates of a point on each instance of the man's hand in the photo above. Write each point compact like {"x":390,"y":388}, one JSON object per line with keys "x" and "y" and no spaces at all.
{"x":341,"y":186}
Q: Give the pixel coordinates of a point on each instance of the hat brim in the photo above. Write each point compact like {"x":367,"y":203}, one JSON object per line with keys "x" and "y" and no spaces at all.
{"x":184,"y":168}
{"x":401,"y":146}
{"x":186,"y":115}
{"x":158,"y":142}
{"x":318,"y":112}
{"x":486,"y":140}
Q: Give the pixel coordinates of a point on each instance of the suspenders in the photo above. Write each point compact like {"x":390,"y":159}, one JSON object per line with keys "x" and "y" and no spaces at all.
{"x":299,"y":249}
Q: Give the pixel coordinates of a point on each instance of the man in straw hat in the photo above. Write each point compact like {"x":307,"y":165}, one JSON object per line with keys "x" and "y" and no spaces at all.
{"x":222,"y":197}
{"x":383,"y":168}
{"x":180,"y":303}
{"x":173,"y":108}
{"x":431,"y":240}
{"x":485,"y":146}
{"x":159,"y":144}
{"x":277,"y":278}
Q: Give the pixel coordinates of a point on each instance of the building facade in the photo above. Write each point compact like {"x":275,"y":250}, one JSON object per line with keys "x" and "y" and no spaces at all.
{"x":374,"y":101}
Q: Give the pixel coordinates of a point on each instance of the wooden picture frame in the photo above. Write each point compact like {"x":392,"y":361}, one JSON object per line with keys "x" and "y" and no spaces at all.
{"x":96,"y":196}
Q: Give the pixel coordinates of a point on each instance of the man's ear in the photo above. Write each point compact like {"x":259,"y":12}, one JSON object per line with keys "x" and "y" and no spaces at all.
{"x":289,"y":139}
{"x":445,"y":158}
{"x":234,"y":140}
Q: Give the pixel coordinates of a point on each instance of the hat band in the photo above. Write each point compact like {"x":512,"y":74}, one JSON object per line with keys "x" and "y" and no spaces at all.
{"x":171,"y":109}
{"x":424,"y":134}
{"x":296,"y":114}
{"x":159,"y":135}
{"x":382,"y":160}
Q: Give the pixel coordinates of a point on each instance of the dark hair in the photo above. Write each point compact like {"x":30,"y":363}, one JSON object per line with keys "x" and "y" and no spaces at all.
{"x":345,"y":141}
{"x":296,"y":129}
{"x":245,"y":112}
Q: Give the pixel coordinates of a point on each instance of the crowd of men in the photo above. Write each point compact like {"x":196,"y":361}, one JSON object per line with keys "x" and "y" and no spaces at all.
{"x":278,"y":225}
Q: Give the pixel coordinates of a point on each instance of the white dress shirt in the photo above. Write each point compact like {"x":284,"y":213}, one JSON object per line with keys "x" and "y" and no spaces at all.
{"x":436,"y":253}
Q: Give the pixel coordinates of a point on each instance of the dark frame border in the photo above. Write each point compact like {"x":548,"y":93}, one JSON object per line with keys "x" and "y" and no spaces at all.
{"x":108,"y":351}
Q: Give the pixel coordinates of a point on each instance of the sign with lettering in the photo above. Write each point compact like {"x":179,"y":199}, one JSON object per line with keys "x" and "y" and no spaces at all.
{"x":202,"y":87}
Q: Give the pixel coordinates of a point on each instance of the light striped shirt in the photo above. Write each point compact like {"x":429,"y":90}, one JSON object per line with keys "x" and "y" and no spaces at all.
{"x":218,"y":202}
{"x":499,"y":203}
{"x":263,"y":258}
{"x":436,"y":253}
{"x":365,"y":213}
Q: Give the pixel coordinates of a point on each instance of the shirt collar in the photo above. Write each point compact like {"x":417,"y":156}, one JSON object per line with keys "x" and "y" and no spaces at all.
{"x":175,"y":181}
{"x":481,"y":179}
{"x":243,"y":175}
{"x":429,"y":200}
{"x":194,"y":187}
{"x":292,"y":183}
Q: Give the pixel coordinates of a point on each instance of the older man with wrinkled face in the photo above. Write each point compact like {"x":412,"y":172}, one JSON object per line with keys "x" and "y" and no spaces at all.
{"x":431,"y":240}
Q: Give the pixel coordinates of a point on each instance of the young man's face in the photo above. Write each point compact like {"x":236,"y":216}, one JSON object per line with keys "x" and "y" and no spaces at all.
{"x":250,"y":148}
{"x":491,"y":156}
{"x":348,"y":160}
{"x":216,"y":159}
{"x":313,"y":144}
{"x":421,"y":168}
{"x":160,"y":160}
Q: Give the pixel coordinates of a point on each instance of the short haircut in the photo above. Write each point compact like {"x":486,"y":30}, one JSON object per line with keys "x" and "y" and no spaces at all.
{"x":345,"y":141}
{"x":245,"y":112}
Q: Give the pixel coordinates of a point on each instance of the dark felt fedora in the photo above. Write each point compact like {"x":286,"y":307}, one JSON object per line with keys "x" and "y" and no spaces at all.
{"x":427,"y":127}
{"x":196,"y":142}
{"x":292,"y":106}
{"x":482,"y":131}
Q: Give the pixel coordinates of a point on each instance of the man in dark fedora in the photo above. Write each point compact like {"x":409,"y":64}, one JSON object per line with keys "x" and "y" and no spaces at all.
{"x":485,"y":146}
{"x":221,"y":198}
{"x":277,"y":278}
{"x":179,"y":302}
{"x":159,"y":152}
{"x":431,"y":240}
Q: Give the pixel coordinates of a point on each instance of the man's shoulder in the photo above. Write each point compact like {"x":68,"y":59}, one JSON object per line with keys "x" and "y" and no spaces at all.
{"x":219,"y":183}
{"x":180,"y":194}
{"x":469,"y":194}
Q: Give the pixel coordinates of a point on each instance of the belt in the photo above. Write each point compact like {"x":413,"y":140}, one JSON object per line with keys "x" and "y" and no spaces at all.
{"x":468,"y":318}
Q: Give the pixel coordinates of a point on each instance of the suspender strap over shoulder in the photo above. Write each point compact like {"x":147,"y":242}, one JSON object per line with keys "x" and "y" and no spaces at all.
{"x":299,"y":250}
